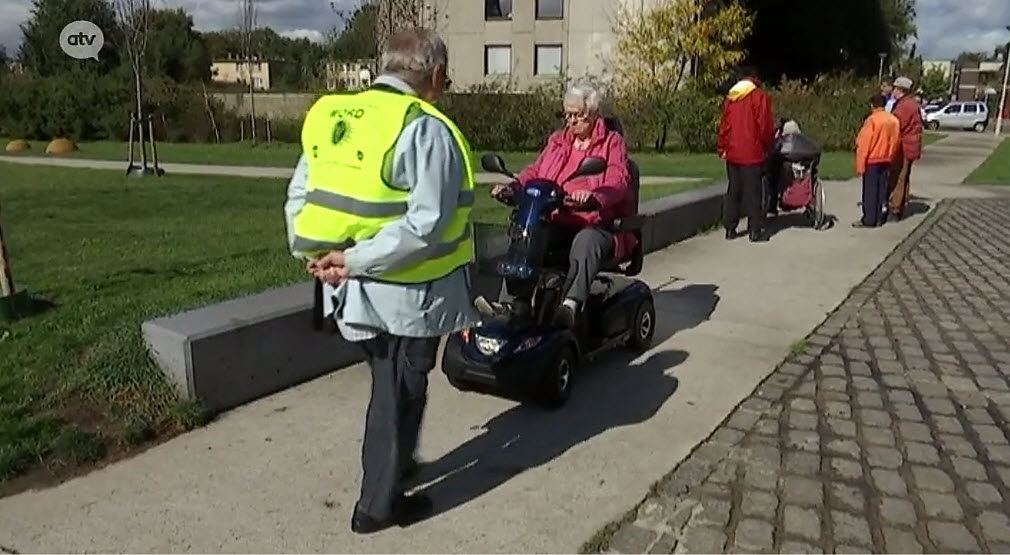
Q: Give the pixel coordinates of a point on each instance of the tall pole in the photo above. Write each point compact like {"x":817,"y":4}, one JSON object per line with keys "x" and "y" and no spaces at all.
{"x":880,"y":70}
{"x":1002,"y":96}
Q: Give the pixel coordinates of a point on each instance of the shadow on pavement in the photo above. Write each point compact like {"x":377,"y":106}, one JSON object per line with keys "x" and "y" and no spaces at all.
{"x":798,"y":219}
{"x":917,"y":206}
{"x":616,"y":391}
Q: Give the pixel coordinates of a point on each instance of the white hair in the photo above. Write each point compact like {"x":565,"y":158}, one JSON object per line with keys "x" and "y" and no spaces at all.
{"x":790,"y":128}
{"x":585,"y":94}
{"x":413,"y":55}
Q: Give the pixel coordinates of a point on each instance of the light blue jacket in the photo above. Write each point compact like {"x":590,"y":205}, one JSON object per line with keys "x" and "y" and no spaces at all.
{"x":889,"y":103}
{"x":428,"y":161}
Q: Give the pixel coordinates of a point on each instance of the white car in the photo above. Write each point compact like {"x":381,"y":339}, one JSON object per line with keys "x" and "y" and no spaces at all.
{"x":959,"y":115}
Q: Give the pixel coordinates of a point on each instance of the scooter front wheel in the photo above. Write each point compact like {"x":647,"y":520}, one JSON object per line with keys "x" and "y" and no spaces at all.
{"x":556,"y":382}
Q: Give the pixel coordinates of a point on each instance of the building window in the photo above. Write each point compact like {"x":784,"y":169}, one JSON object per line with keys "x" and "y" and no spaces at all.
{"x":497,"y":9}
{"x":497,"y":59}
{"x":547,"y":59}
{"x":550,"y":9}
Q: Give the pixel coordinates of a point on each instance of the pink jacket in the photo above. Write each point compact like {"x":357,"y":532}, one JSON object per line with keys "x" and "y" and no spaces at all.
{"x":611,"y":188}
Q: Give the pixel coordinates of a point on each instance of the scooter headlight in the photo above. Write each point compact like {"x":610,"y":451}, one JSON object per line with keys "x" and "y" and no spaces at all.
{"x":488,"y":345}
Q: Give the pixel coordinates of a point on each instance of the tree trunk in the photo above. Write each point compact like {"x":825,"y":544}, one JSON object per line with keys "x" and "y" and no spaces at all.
{"x":6,"y":280}
{"x":140,"y":117}
{"x":252,"y":104}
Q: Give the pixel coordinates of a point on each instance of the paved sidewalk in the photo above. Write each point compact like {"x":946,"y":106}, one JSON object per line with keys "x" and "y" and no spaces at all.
{"x":887,"y":435}
{"x":249,"y":171}
{"x":281,"y":474}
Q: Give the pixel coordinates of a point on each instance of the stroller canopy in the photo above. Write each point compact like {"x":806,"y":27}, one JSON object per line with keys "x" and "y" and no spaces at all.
{"x":799,"y":148}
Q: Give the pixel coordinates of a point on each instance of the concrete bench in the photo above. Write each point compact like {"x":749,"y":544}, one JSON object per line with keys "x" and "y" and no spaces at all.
{"x":231,"y":353}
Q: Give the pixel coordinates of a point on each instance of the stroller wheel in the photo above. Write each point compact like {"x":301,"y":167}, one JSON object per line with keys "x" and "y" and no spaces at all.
{"x":817,"y":210}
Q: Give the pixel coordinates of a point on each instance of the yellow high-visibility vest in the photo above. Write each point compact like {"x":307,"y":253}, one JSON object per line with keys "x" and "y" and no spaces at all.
{"x":349,"y":141}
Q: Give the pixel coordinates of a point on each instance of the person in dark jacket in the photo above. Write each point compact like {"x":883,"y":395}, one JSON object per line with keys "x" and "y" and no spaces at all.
{"x":746,"y":133}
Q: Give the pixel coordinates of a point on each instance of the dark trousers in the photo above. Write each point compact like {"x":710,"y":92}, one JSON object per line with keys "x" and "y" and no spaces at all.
{"x":901,"y":172}
{"x":400,"y":367}
{"x":744,"y":191}
{"x":588,"y":249}
{"x":875,"y":188}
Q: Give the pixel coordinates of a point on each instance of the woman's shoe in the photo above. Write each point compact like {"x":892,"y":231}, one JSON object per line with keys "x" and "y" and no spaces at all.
{"x":487,"y":308}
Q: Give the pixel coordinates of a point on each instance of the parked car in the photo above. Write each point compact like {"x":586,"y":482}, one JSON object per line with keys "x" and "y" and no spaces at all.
{"x":960,"y":115}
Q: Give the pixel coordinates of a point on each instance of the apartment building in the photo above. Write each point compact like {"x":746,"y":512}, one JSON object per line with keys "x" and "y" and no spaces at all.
{"x":523,"y":43}
{"x":237,"y":71}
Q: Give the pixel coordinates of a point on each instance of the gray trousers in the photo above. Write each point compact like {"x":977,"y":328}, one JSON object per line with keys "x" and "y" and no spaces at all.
{"x":590,"y":248}
{"x":400,"y":367}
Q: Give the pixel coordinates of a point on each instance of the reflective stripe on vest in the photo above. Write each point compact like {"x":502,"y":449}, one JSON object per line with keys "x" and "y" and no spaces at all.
{"x":438,"y":251}
{"x":343,"y":203}
{"x":349,"y":141}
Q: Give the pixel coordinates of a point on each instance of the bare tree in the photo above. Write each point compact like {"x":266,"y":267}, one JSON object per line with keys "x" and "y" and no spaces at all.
{"x":134,"y":18}
{"x":394,"y":15}
{"x":247,"y":32}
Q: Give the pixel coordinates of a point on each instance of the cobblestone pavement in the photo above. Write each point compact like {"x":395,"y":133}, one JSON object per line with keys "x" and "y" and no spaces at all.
{"x":887,"y":434}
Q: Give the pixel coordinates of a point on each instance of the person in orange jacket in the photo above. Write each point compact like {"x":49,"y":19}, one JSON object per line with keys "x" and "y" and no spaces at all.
{"x":876,"y":146}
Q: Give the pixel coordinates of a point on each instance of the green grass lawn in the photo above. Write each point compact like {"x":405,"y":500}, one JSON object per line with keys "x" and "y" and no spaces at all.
{"x":995,"y":170}
{"x":110,"y":252}
{"x":834,"y":165}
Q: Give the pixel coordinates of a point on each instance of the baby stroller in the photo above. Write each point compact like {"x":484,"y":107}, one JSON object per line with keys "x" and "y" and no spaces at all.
{"x":791,"y":179}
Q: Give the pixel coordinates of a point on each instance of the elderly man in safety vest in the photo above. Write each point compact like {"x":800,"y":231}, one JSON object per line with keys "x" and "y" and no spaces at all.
{"x":379,"y":206}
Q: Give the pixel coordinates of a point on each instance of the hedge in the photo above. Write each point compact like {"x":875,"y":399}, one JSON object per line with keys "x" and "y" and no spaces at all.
{"x":89,"y":108}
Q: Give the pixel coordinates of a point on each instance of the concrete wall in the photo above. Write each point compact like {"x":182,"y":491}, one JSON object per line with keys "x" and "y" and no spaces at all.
{"x":269,"y":105}
{"x":230,"y":353}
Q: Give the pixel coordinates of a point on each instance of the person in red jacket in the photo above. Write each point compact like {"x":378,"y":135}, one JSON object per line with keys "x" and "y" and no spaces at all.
{"x":746,"y":133}
{"x":907,"y":110}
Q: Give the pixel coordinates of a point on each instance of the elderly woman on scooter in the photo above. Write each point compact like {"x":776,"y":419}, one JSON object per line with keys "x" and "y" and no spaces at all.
{"x":598,"y":199}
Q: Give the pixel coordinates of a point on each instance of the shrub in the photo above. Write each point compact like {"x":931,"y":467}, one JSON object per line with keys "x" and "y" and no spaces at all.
{"x":85,"y":107}
{"x":829,"y":111}
{"x":696,"y":120}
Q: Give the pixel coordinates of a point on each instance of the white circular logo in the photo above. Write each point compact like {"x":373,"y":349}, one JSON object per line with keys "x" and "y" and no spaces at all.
{"x":82,"y":40}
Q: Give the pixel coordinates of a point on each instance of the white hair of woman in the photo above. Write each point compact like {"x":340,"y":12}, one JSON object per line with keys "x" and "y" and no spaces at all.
{"x":413,"y":55}
{"x":790,"y":128}
{"x":586,"y":95}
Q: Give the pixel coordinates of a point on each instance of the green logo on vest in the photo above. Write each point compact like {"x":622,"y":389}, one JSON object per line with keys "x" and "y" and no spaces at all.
{"x":340,"y":131}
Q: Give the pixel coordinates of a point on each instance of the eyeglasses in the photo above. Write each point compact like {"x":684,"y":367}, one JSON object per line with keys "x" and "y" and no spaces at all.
{"x":577,"y":116}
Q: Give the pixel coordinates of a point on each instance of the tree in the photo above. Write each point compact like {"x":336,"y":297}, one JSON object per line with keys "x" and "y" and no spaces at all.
{"x":657,"y":49}
{"x":40,"y":36}
{"x":357,"y":40}
{"x":935,"y":83}
{"x":134,"y":19}
{"x":247,"y":32}
{"x":899,"y":16}
{"x":393,"y":15}
{"x":802,"y":40}
{"x":174,"y":49}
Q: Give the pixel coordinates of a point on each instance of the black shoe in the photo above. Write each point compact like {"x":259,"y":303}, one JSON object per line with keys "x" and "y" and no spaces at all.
{"x":564,"y":316}
{"x":894,"y":217}
{"x":731,"y":234}
{"x":758,"y":237}
{"x":407,"y":510}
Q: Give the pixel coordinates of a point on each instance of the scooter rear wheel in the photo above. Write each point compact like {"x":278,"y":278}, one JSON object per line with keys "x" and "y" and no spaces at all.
{"x":643,"y":326}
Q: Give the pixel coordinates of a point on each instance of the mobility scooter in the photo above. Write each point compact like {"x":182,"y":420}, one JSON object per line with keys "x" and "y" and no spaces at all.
{"x":521,"y":351}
